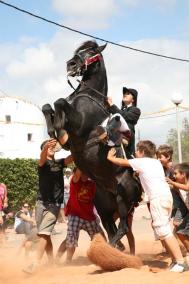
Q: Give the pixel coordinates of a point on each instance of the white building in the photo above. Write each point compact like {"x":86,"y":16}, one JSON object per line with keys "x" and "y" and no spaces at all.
{"x":22,"y":128}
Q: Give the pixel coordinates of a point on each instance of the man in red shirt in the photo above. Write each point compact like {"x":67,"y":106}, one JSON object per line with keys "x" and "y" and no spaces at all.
{"x":80,"y":212}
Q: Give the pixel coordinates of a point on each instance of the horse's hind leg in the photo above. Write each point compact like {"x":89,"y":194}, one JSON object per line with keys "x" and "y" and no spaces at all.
{"x":130,"y":236}
{"x":123,"y":213}
{"x":111,"y":229}
{"x":49,"y":117}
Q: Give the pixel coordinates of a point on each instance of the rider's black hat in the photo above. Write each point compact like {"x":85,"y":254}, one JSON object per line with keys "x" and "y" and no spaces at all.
{"x":133,"y":92}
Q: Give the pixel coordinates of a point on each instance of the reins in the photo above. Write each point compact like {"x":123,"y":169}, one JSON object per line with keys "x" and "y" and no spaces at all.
{"x":82,"y":83}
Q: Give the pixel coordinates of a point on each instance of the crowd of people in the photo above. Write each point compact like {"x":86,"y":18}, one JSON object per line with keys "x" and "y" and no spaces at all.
{"x":72,"y":193}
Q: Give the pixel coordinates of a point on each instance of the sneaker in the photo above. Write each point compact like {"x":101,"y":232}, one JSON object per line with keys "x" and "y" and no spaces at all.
{"x":178,"y":267}
{"x":172,"y":264}
{"x":30,"y":269}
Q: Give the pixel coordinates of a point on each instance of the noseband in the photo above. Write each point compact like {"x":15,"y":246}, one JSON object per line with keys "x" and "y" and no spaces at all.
{"x":86,"y":62}
{"x":90,"y":60}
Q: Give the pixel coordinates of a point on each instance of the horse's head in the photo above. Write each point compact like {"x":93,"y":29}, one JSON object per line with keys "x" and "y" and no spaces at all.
{"x":86,"y":56}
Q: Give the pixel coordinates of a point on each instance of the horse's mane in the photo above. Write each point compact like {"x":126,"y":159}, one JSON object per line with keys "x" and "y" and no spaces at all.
{"x":87,"y":44}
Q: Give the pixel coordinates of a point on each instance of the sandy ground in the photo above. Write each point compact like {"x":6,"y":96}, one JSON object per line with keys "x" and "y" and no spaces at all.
{"x":82,"y":271}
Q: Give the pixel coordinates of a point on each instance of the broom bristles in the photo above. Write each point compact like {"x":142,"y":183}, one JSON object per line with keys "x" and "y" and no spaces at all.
{"x":109,"y":258}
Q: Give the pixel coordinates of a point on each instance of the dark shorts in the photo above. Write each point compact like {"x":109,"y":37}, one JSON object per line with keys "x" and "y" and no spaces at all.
{"x":75,"y":224}
{"x":179,"y":215}
{"x":46,"y":216}
{"x":179,"y":208}
{"x":183,"y":228}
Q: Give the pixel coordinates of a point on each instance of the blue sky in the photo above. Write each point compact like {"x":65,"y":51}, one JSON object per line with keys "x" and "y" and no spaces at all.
{"x":132,"y":21}
{"x":34,"y":53}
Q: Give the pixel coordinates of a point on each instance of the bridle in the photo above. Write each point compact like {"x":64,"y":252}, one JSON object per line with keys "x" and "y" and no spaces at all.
{"x":88,"y":61}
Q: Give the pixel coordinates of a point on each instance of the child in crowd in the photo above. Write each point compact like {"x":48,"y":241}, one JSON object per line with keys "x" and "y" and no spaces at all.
{"x":80,"y":212}
{"x":181,"y":184}
{"x":25,"y":224}
{"x":164,"y":154}
{"x":152,"y":178}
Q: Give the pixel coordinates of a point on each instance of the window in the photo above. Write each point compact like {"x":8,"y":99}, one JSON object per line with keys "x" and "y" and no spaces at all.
{"x":29,"y":136}
{"x":7,"y":118}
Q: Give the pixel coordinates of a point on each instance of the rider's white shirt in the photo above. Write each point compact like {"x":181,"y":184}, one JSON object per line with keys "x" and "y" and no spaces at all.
{"x":152,"y":177}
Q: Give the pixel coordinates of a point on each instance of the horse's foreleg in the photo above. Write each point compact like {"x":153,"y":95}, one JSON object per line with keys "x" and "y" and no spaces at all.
{"x":49,"y":117}
{"x":66,"y":116}
{"x":59,"y":118}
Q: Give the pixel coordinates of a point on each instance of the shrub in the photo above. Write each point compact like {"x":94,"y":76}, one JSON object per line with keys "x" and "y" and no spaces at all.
{"x":21,"y":179}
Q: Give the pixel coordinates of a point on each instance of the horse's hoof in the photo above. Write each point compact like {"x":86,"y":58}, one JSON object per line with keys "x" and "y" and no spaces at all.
{"x":120,"y":247}
{"x":46,"y":109}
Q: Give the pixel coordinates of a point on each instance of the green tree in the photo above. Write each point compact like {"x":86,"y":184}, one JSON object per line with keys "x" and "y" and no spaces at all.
{"x":21,"y":179}
{"x":172,"y":140}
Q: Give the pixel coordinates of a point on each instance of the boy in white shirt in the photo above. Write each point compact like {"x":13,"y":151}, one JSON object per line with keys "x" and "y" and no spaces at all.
{"x":152,"y":178}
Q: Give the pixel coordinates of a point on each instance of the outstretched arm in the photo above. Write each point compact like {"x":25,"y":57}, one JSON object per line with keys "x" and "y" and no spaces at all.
{"x":178,"y":185}
{"x":131,"y":115}
{"x":117,"y":161}
{"x":76,"y":175}
{"x":27,"y":218}
{"x":43,"y":157}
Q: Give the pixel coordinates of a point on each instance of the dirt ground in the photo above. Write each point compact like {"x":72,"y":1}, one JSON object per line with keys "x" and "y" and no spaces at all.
{"x":82,"y":271}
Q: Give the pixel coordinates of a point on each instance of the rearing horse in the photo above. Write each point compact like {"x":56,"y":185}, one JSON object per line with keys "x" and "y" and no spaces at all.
{"x":79,"y":114}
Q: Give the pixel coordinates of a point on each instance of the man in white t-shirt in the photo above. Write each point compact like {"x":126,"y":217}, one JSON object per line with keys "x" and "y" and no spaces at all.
{"x":152,"y":178}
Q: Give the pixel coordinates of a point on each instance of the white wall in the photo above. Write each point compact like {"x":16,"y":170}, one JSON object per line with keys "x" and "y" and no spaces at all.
{"x":25,"y":118}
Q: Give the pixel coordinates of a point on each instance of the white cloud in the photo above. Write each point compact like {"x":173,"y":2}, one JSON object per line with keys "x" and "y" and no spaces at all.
{"x":54,"y":86}
{"x":87,"y":14}
{"x":34,"y":60}
{"x":160,"y":4}
{"x":131,"y":2}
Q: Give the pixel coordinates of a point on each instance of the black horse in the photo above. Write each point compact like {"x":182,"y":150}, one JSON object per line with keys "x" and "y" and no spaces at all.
{"x":79,"y":114}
